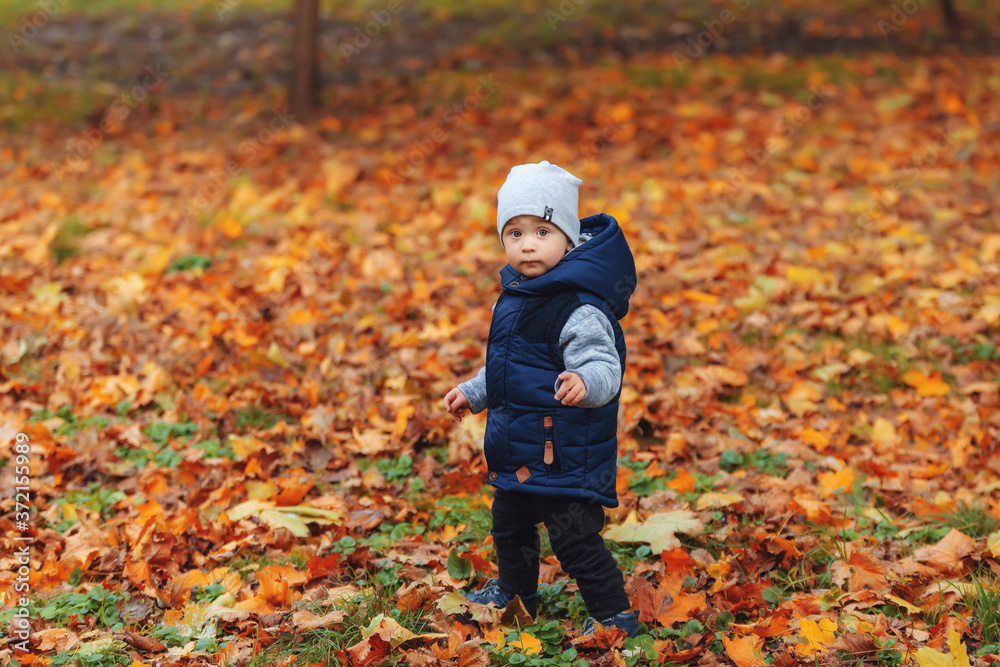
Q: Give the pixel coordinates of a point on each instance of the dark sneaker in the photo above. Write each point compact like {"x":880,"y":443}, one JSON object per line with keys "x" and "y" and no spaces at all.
{"x":626,"y":620}
{"x":492,"y":592}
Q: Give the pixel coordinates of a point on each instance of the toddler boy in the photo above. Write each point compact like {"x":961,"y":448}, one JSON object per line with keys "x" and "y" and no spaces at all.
{"x":555,"y":359}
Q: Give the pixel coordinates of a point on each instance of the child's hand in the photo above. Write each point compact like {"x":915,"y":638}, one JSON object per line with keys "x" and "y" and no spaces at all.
{"x":455,"y":402}
{"x":572,"y":390}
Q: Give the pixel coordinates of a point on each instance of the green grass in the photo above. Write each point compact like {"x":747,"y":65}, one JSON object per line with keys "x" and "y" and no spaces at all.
{"x":763,"y":461}
{"x":200,"y":11}
{"x":256,"y":418}
{"x":972,"y":519}
{"x":319,"y":645}
{"x":964,"y":354}
{"x":71,"y":423}
{"x":209,"y":10}
{"x":250,"y":561}
{"x":986,"y":610}
{"x":62,"y":100}
{"x":99,"y":653}
{"x":454,"y":510}
{"x":95,"y":498}
{"x":66,"y":242}
{"x":810,"y":571}
{"x":212,"y":448}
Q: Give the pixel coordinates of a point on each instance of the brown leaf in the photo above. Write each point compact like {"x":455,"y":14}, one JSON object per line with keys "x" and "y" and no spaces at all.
{"x":948,"y":552}
{"x":304,"y":620}
{"x":862,"y":572}
{"x":515,"y":614}
{"x":141,"y":642}
{"x":603,"y":639}
{"x":59,"y":639}
{"x":856,"y":645}
{"x":136,"y":609}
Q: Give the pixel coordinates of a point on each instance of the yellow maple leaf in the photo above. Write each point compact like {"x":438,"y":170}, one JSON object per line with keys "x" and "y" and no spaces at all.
{"x":818,"y":439}
{"x":244,"y":446}
{"x":744,"y":651}
{"x":714,"y":500}
{"x":900,"y":602}
{"x":957,"y":648}
{"x":814,"y":509}
{"x":231,"y":227}
{"x":958,"y":656}
{"x":803,"y":274}
{"x":496,"y":636}
{"x":815,"y":634}
{"x":927,"y":386}
{"x":928,"y":657}
{"x":834,"y":483}
{"x":802,"y":397}
{"x":884,"y":431}
{"x":527,"y":643}
{"x":389,"y":630}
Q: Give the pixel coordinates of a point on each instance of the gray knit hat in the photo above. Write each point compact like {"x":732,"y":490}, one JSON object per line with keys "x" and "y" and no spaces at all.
{"x":545,"y":190}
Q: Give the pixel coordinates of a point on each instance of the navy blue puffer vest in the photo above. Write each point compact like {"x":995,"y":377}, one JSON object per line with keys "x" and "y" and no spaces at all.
{"x":534,"y":443}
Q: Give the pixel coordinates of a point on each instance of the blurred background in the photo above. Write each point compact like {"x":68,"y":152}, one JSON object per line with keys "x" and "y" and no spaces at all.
{"x":247,"y":246}
{"x":273,"y":190}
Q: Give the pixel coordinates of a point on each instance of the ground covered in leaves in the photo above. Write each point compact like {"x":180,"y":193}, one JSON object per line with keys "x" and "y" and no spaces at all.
{"x":226,"y":337}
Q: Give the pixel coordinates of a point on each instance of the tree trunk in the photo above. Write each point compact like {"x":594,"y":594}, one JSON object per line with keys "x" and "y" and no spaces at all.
{"x":950,"y":17}
{"x":303,"y":91}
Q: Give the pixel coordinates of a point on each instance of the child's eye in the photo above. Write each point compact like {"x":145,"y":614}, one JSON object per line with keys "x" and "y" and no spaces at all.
{"x":515,"y":233}
{"x":543,"y":232}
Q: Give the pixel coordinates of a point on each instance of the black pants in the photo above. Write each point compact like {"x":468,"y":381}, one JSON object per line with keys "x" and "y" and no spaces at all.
{"x":574,"y":527}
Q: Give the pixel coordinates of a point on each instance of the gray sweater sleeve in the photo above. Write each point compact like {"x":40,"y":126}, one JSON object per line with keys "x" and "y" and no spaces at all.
{"x":588,"y":345}
{"x":475,"y":389}
{"x":587,"y":342}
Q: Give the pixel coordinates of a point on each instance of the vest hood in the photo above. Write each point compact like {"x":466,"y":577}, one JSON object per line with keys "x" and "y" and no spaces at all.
{"x":603,"y":266}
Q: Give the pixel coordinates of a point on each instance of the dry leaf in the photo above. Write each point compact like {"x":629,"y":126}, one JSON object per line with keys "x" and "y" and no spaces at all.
{"x":658,"y":530}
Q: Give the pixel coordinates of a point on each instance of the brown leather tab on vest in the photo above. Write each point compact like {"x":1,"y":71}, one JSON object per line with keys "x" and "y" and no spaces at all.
{"x":547,"y":421}
{"x":549,"y":457}
{"x":523,"y":474}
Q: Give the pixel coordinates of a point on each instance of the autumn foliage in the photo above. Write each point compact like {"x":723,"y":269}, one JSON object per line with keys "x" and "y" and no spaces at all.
{"x":232,"y":393}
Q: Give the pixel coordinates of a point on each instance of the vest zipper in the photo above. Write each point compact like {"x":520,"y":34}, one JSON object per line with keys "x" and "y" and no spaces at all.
{"x":549,"y":456}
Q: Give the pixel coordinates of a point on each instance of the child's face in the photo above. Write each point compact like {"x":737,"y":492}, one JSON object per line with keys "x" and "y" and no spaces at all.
{"x":534,"y":245}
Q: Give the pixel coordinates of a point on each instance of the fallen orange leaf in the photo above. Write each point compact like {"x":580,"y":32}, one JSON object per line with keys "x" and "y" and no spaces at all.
{"x":744,"y":651}
{"x":948,"y":552}
{"x":927,"y":386}
{"x":816,"y":635}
